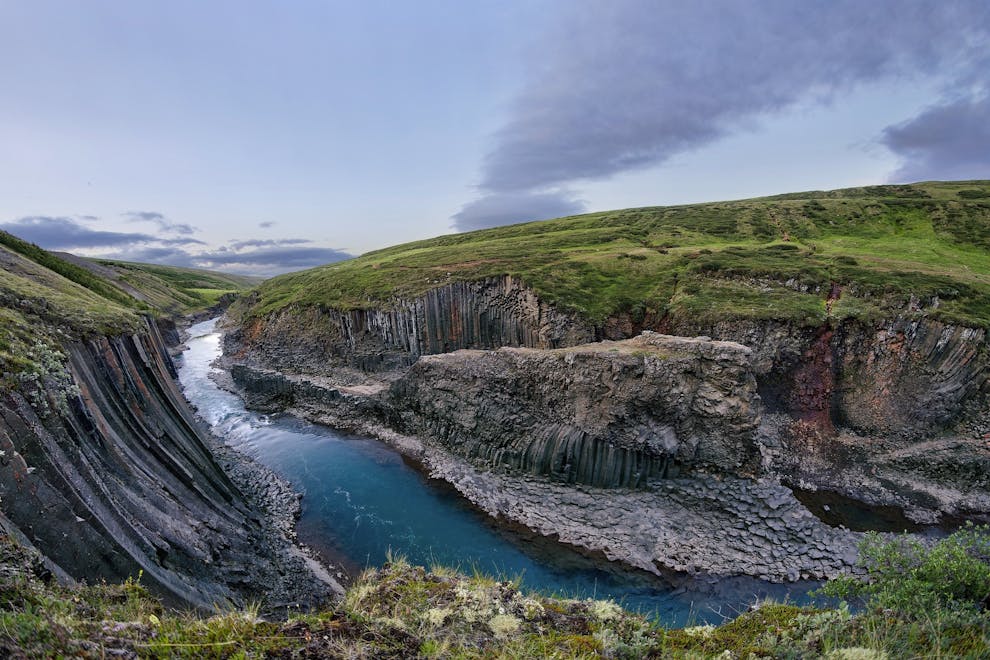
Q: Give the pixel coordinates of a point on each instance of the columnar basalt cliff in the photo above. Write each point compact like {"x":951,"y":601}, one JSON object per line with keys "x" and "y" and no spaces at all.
{"x":900,"y":376}
{"x":489,"y":313}
{"x":639,"y":412}
{"x":905,"y":376}
{"x":614,"y":414}
{"x":108,"y":474}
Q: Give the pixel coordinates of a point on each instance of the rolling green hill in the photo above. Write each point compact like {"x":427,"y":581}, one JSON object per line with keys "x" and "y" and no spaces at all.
{"x":914,"y":249}
{"x":47,"y":297}
{"x":171,"y":289}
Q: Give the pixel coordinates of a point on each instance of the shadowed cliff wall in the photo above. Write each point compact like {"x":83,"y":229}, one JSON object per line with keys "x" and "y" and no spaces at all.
{"x":111,"y":476}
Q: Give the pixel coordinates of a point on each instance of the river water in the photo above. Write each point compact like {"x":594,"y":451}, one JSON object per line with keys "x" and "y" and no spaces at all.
{"x":362,"y":500}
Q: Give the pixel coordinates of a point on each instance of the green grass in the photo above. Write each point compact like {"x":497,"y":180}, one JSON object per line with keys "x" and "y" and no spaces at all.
{"x":739,"y":259}
{"x":46,"y":299}
{"x":211,"y":296}
{"x":68,"y":270}
{"x":401,"y":611}
{"x":188,"y":278}
{"x":175,"y":290}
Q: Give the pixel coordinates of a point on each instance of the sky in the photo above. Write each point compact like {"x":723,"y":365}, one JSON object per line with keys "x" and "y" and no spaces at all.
{"x":264,"y":137}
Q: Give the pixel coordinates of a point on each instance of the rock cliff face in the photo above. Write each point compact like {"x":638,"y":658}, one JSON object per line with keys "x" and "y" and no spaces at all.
{"x":898,"y":376}
{"x":479,"y":416}
{"x":848,"y":405}
{"x":107,"y":473}
{"x":903,"y":377}
{"x":614,"y":414}
{"x":485,"y":314}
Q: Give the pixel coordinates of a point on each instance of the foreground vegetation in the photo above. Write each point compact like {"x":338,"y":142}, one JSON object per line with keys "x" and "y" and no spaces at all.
{"x":908,"y":249}
{"x":916,"y":601}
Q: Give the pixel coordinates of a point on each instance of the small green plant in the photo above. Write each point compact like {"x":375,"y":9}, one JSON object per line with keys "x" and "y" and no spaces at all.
{"x":906,"y":576}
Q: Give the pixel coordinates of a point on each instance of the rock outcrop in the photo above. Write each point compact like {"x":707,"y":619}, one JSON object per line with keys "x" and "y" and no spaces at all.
{"x":107,"y":472}
{"x":902,"y":377}
{"x":613,"y":414}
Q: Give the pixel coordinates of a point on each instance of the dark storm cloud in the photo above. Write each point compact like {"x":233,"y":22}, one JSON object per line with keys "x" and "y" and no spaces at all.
{"x":507,"y":208}
{"x":949,"y":141}
{"x":61,"y":233}
{"x":163,"y":223}
{"x":631,"y":83}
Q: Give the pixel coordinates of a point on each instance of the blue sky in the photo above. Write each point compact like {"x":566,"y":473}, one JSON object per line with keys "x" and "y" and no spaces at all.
{"x":262,"y":137}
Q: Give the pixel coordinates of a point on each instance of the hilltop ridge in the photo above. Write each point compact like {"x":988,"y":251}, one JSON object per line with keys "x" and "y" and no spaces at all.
{"x":922,"y":246}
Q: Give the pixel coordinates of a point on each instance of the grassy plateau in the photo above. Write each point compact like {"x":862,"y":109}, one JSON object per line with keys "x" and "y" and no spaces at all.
{"x":906,"y":249}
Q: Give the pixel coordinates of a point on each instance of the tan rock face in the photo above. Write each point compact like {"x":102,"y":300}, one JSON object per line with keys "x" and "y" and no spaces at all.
{"x":606,"y":414}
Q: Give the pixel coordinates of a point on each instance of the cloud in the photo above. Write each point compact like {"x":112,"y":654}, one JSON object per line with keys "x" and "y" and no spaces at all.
{"x":267,"y":224}
{"x":163,"y":223}
{"x":268,"y":242}
{"x":180,"y":241}
{"x":279,"y":259}
{"x":947,"y":141}
{"x":169,"y":256}
{"x":263,"y":257}
{"x":265,"y":262}
{"x":61,"y":233}
{"x":511,"y":207}
{"x":631,"y":83}
{"x":251,"y":257}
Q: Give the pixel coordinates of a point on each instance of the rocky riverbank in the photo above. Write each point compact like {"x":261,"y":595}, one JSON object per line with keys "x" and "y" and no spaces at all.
{"x":305,"y":580}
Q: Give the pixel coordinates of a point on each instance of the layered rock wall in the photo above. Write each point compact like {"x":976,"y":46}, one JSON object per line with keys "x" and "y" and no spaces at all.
{"x":899,"y":376}
{"x":111,"y":476}
{"x":909,"y":377}
{"x":614,"y":414}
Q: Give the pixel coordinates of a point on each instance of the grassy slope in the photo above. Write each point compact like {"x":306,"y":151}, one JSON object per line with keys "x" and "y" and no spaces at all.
{"x":39,"y":307}
{"x":45,"y":298}
{"x":173,"y":289}
{"x":883,"y":244}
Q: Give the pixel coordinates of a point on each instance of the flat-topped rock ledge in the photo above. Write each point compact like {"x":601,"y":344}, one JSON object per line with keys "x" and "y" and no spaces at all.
{"x":608,"y":414}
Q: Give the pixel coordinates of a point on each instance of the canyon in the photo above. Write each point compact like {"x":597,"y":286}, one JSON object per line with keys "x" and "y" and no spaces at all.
{"x":664,"y":452}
